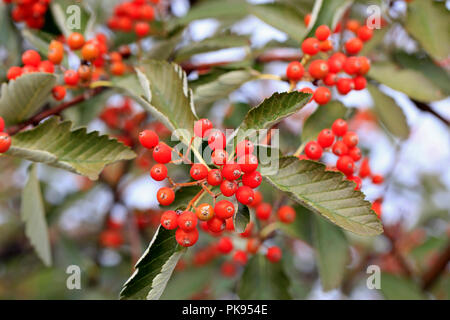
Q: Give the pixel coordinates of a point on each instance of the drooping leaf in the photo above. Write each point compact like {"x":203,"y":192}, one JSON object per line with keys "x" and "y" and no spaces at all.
{"x":154,"y":268}
{"x":332,"y":252}
{"x":264,"y":280}
{"x":32,"y":213}
{"x":22,"y":97}
{"x":389,"y":113}
{"x":222,"y":86}
{"x":274,"y":109}
{"x":56,"y":144}
{"x":241,"y":218}
{"x":398,"y":288}
{"x":72,"y":16}
{"x":429,"y":23}
{"x":281,"y":16}
{"x":214,"y":43}
{"x":327,"y":193}
{"x":322,"y":118}
{"x":328,"y":13}
{"x":409,"y":81}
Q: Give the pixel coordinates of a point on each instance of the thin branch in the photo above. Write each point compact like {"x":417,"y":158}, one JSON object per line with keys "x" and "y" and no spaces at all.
{"x":426,"y":108}
{"x":430,"y":277}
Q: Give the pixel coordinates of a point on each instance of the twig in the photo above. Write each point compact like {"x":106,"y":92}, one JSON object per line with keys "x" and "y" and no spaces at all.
{"x":426,"y":108}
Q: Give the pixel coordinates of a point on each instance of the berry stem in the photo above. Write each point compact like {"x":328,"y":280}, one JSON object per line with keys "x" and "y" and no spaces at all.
{"x":300,"y":149}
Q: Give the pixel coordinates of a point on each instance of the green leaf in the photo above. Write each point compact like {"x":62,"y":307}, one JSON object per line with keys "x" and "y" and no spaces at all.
{"x":164,"y":92}
{"x":398,"y":288}
{"x":322,"y":118}
{"x":302,"y":225}
{"x":389,"y":113}
{"x":21,"y":98}
{"x":282,"y":17}
{"x":328,"y":13}
{"x":264,"y":280}
{"x":9,"y":40}
{"x":32,"y":213}
{"x":241,"y":218}
{"x":67,"y":13}
{"x":274,"y":109}
{"x":327,"y":193}
{"x":56,"y":144}
{"x":411,"y":82}
{"x":429,"y":23}
{"x":154,"y":268}
{"x":221,"y":87}
{"x":214,"y":43}
{"x":163,"y":49}
{"x":332,"y":253}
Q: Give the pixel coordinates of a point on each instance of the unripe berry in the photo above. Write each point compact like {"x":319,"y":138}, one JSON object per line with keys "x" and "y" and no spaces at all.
{"x":231,"y":171}
{"x":224,"y":209}
{"x":339,"y":127}
{"x":318,"y":69}
{"x":216,"y":224}
{"x":252,"y":179}
{"x":214,"y":177}
{"x":295,"y":71}
{"x":274,"y":254}
{"x":286,"y":214}
{"x":322,"y":95}
{"x":148,"y":139}
{"x":204,"y":212}
{"x":263,"y":211}
{"x":201,"y":127}
{"x":198,"y":171}
{"x":245,"y":195}
{"x":313,"y":150}
{"x":165,"y":196}
{"x":225,"y":245}
{"x":186,"y":238}
{"x":169,"y":220}
{"x":345,"y":164}
{"x":325,"y":138}
{"x":162,"y":153}
{"x":310,"y":46}
{"x":228,"y":188}
{"x":158,"y":172}
{"x":187,"y":221}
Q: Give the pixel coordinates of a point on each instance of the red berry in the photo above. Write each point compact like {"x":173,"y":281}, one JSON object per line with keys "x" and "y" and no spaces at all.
{"x":350,"y":139}
{"x":325,"y":138}
{"x":336,"y":62}
{"x":148,"y":139}
{"x":355,"y":153}
{"x":71,"y":77}
{"x":228,"y":269}
{"x":248,"y":163}
{"x":352,"y":25}
{"x":245,"y":195}
{"x":229,"y":224}
{"x":359,"y":83}
{"x":158,"y":172}
{"x":365,"y":65}
{"x":339,"y":127}
{"x":46,"y":66}
{"x":219,"y":157}
{"x":307,"y":90}
{"x":295,"y":71}
{"x":147,"y":12}
{"x":111,"y":238}
{"x":240,"y":257}
{"x":274,"y":254}
{"x":199,"y":171}
{"x":257,"y":199}
{"x":215,"y":224}
{"x":204,"y":212}
{"x":169,"y":220}
{"x":344,"y":85}
{"x":2,"y":124}
{"x":322,"y":95}
{"x":313,"y":150}
{"x":228,"y":188}
{"x":352,"y":65}
{"x":201,"y":127}
{"x":90,"y":51}
{"x":286,"y":214}
{"x":364,"y":169}
{"x":307,"y":19}
{"x":31,"y":58}
{"x":231,"y":171}
{"x":326,"y":45}
{"x":330,"y":79}
{"x":356,"y":180}
{"x":224,"y":209}
{"x":377,"y":179}
{"x":248,"y":230}
{"x":165,"y":196}
{"x":364,"y":33}
{"x":5,"y":142}
{"x":217,"y":140}
{"x":318,"y":69}
{"x":353,"y":46}
{"x":323,"y":32}
{"x":75,"y":41}
{"x":186,"y":238}
{"x":187,"y":221}
{"x":214,"y":177}
{"x":141,"y":29}
{"x":263,"y":211}
{"x":14,"y":72}
{"x":345,"y":164}
{"x":340,"y":148}
{"x":244,"y":147}
{"x":310,"y":46}
{"x":162,"y":153}
{"x":58,"y":92}
{"x":376,"y":206}
{"x":225,"y":245}
{"x":252,"y":179}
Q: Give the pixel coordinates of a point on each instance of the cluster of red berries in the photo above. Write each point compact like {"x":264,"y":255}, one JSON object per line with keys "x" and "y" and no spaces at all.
{"x":32,"y":12}
{"x":133,"y":15}
{"x":5,"y":139}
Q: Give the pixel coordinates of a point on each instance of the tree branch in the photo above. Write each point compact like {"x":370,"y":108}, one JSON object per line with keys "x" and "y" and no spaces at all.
{"x":426,"y":108}
{"x":430,"y":277}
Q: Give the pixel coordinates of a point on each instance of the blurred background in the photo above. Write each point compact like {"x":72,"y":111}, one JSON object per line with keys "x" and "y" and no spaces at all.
{"x":415,"y":195}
